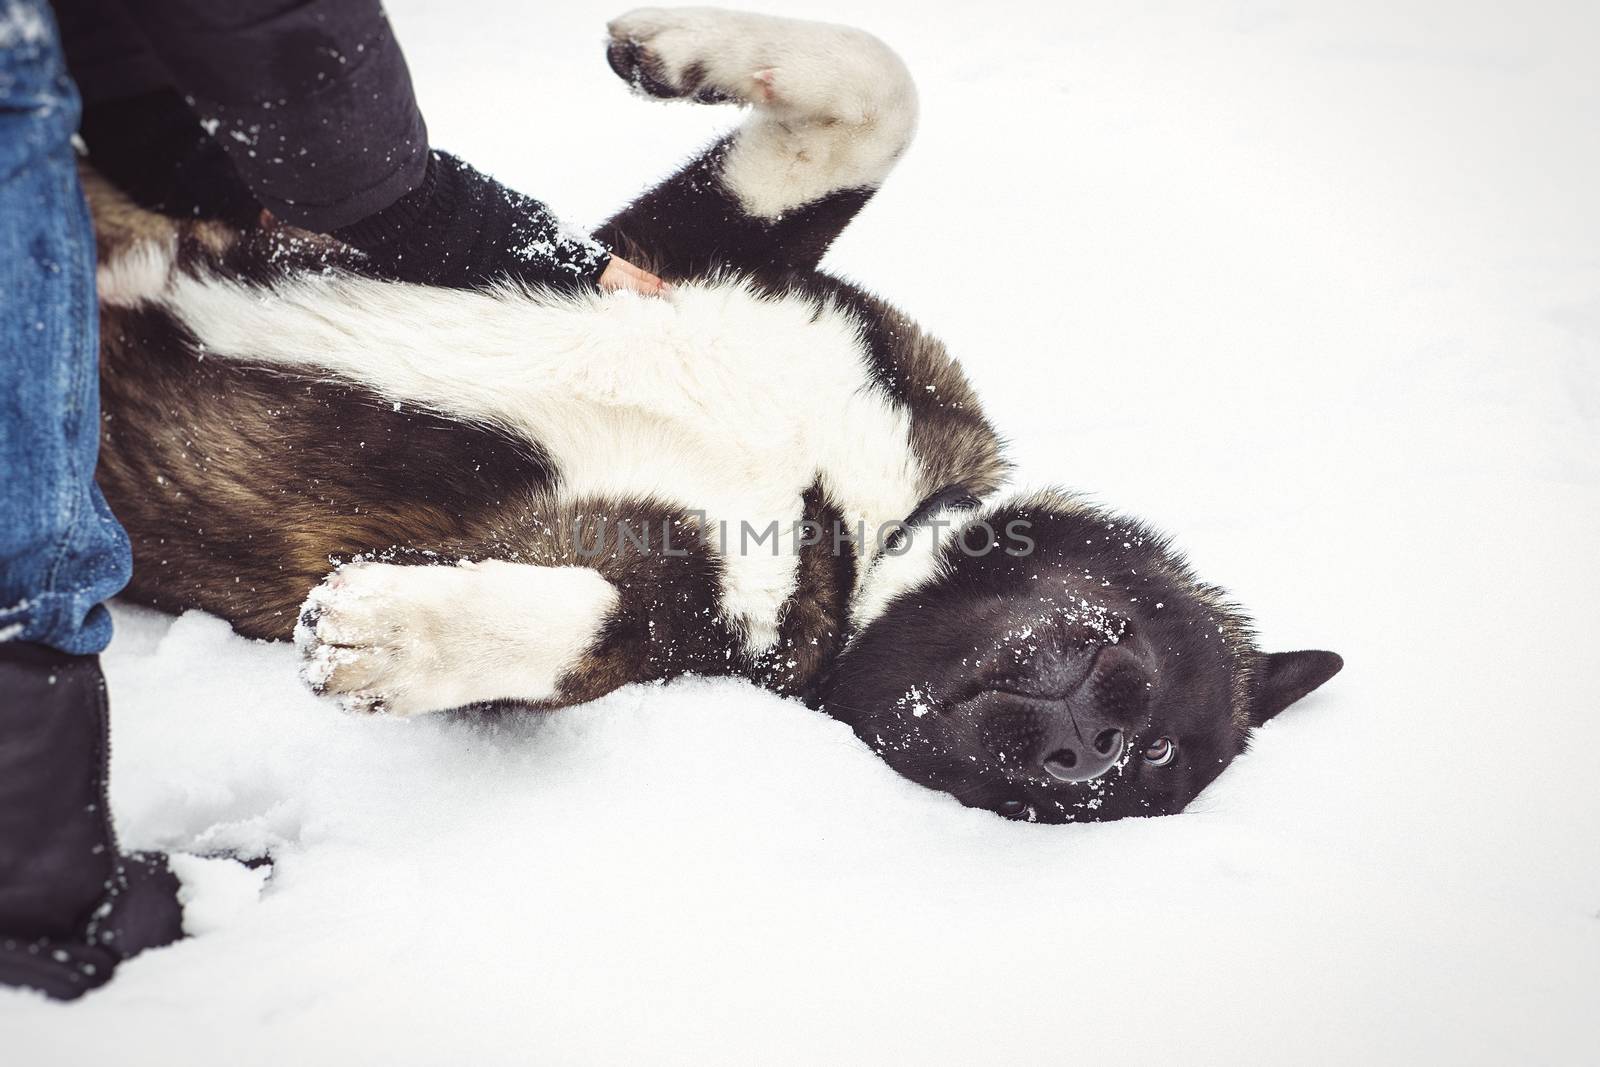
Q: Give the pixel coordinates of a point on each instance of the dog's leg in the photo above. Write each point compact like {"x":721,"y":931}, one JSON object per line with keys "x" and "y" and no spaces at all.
{"x":614,"y":591}
{"x":412,"y":639}
{"x":832,"y":109}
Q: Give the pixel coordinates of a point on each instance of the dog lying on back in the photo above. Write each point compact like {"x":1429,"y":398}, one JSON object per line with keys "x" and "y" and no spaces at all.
{"x":532,"y":499}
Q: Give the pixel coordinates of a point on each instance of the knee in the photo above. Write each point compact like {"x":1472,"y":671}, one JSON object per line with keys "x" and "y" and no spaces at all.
{"x":38,"y":102}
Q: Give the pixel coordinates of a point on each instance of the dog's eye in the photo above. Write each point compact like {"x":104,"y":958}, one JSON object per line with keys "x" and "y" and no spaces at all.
{"x":1012,"y":809}
{"x":1161,"y":751}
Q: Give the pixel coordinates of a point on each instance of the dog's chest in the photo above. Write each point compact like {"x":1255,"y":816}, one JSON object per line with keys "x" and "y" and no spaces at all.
{"x":717,"y":401}
{"x":732,"y":406}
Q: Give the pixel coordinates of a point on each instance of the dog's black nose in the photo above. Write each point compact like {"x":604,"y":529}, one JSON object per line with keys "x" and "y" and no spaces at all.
{"x":1076,"y":761}
{"x":1079,"y":735}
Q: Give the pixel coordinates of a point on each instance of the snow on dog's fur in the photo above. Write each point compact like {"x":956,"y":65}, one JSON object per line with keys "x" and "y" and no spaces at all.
{"x":532,"y":499}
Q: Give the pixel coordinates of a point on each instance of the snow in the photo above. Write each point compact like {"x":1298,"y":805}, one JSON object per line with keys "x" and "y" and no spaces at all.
{"x":1314,"y":287}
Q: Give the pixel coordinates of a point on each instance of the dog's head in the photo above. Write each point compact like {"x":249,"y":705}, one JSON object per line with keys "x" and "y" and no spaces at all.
{"x":1051,"y":662}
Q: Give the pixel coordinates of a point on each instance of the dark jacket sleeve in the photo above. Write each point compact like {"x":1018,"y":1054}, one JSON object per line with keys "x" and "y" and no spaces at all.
{"x":312,"y":101}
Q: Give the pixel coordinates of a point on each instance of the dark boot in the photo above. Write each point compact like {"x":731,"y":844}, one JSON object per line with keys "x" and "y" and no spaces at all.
{"x":71,"y":905}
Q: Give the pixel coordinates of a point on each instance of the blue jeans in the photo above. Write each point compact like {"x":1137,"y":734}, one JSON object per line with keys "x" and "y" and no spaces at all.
{"x":61,"y":551}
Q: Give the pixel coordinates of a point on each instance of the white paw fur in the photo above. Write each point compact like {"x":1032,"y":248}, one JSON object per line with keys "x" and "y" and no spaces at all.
{"x":407,"y":640}
{"x":834,"y":107}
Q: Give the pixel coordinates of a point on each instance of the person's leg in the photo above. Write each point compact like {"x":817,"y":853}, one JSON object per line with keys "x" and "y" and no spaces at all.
{"x":70,"y":906}
{"x":61,"y":552}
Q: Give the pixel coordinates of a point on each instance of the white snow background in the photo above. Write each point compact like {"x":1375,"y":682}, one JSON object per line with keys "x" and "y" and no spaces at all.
{"x":1314,"y":286}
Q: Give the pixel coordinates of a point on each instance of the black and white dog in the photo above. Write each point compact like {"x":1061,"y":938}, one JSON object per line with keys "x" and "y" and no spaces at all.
{"x":533,"y":499}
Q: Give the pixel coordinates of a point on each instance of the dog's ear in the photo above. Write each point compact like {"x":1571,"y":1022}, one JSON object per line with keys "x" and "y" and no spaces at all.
{"x":1284,"y":677}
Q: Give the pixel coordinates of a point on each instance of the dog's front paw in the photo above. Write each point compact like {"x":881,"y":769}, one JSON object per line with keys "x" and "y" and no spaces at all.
{"x":702,"y":54}
{"x":811,"y":73}
{"x":412,"y":639}
{"x":371,"y":636}
{"x":648,"y":49}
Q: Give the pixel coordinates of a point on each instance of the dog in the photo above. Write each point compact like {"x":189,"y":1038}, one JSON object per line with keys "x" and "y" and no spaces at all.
{"x":452,"y":499}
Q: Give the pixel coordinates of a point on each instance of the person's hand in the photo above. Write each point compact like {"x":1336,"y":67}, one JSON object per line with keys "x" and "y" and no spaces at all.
{"x":620,"y":274}
{"x":462,"y":229}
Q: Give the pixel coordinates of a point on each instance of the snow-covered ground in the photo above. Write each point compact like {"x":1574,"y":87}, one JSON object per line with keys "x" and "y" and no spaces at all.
{"x":1315,"y":286}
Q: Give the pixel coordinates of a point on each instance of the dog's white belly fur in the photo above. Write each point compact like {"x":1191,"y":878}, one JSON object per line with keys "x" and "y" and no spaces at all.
{"x":715,"y":399}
